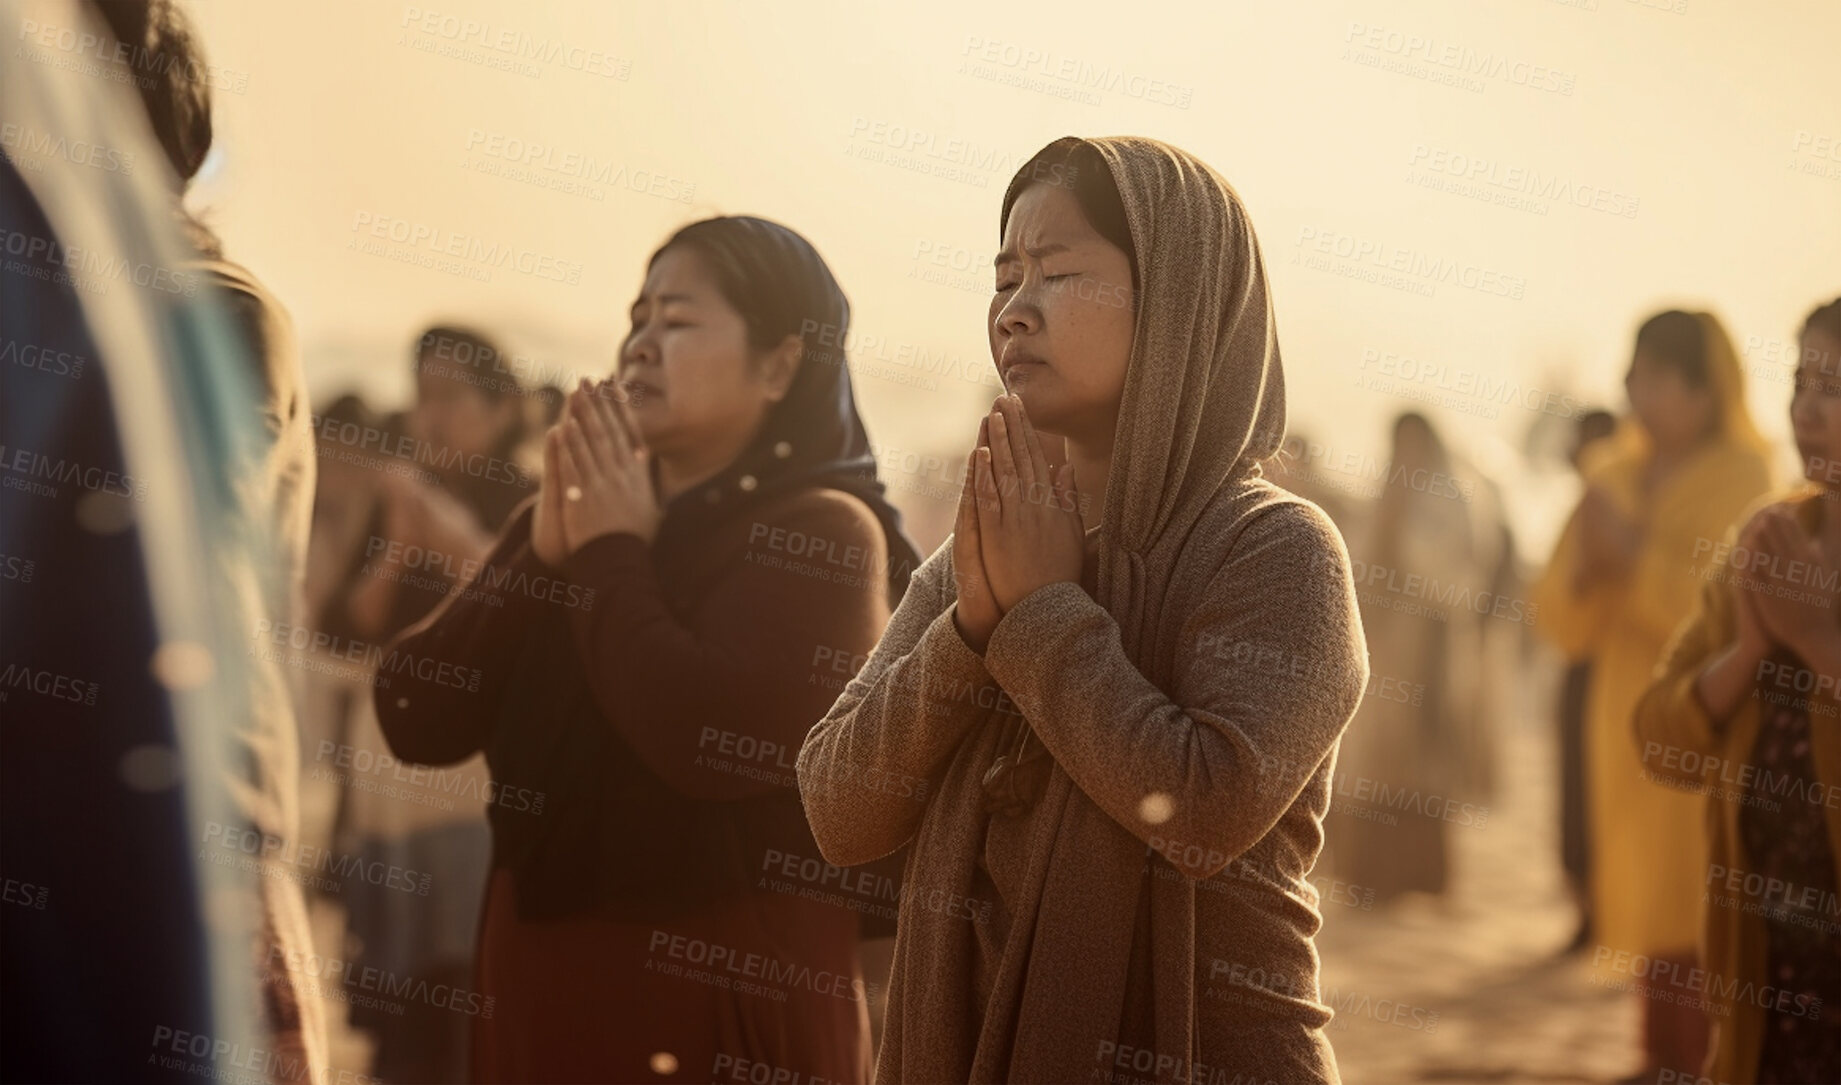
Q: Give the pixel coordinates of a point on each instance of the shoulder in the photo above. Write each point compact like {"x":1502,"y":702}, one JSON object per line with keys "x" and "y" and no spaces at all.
{"x":266,"y":330}
{"x":256,"y":312}
{"x":1804,"y":502}
{"x":817,"y":526}
{"x":1267,"y":525}
{"x":816,"y":507}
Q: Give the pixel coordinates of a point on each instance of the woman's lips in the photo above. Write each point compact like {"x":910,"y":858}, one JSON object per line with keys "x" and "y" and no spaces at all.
{"x":639,"y":393}
{"x":1020,"y":368}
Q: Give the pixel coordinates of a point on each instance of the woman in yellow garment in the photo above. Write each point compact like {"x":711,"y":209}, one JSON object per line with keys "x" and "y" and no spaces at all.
{"x":1680,"y":469}
{"x":1746,"y":708}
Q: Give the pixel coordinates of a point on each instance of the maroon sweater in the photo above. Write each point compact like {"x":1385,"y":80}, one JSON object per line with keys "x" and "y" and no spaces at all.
{"x":640,"y":711}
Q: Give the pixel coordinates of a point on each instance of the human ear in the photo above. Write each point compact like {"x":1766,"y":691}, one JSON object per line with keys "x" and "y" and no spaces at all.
{"x":780,"y":366}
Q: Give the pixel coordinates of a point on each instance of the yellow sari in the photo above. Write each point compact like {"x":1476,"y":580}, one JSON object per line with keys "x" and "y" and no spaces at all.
{"x":1648,"y":841}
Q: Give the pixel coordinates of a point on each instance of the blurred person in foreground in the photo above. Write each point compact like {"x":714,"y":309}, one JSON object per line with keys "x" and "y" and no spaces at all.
{"x":1680,"y":469}
{"x":158,"y":499}
{"x":709,"y":557}
{"x":1747,"y":707}
{"x":1113,"y":701}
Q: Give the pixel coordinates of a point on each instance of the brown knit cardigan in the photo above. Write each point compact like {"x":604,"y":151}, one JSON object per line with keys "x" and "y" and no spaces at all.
{"x":1147,"y":917}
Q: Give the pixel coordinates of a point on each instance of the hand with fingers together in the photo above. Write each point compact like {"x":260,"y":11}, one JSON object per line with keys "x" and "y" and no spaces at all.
{"x":1800,"y":612}
{"x":603,"y":468}
{"x":547,"y":538}
{"x":976,"y":612}
{"x":1029,"y":528}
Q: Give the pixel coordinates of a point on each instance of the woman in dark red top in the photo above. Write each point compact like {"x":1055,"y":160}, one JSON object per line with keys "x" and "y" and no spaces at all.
{"x":640,"y":657}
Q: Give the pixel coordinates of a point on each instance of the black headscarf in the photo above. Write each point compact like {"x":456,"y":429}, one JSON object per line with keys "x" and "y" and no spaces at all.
{"x":813,"y":436}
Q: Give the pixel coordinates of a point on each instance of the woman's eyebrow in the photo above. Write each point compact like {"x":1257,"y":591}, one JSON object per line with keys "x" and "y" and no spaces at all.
{"x":662,"y":299}
{"x":1042,"y":253}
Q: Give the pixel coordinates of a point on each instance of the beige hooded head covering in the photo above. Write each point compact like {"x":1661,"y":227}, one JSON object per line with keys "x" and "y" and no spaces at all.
{"x":1204,"y":393}
{"x":1087,"y":948}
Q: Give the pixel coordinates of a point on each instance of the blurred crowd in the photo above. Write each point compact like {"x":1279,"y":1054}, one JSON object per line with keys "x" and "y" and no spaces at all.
{"x":1697,"y":822}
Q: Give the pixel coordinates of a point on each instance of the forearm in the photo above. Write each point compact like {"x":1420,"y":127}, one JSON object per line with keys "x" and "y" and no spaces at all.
{"x":868,"y":768}
{"x":438,"y":686}
{"x":1218,"y":776}
{"x":1727,"y":681}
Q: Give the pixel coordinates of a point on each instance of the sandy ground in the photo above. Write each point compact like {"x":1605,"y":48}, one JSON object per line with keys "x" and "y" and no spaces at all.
{"x":1485,"y":959}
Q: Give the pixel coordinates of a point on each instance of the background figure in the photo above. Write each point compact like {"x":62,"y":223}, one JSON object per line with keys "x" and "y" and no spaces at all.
{"x":1575,"y":837}
{"x":453,"y":479}
{"x":1622,"y":577}
{"x":1748,"y":682}
{"x":410,"y":508}
{"x":1415,"y":739}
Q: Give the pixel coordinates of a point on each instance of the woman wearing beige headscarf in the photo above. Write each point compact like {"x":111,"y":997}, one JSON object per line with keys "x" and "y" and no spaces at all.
{"x":1660,"y":492}
{"x":1110,"y":748}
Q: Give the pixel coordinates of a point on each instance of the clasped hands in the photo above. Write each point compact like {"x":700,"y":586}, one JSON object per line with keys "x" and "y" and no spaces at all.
{"x":596,"y":477}
{"x":1018,"y":526}
{"x":1788,"y":595}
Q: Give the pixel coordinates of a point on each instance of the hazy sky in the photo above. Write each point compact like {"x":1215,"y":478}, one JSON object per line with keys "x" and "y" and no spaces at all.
{"x":1488,"y":192}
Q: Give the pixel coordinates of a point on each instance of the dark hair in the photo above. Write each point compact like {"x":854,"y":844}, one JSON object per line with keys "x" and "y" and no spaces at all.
{"x":1679,"y":340}
{"x":468,"y":348}
{"x":1825,"y":319}
{"x":169,"y":71}
{"x":772,"y":277}
{"x":1076,"y":165}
